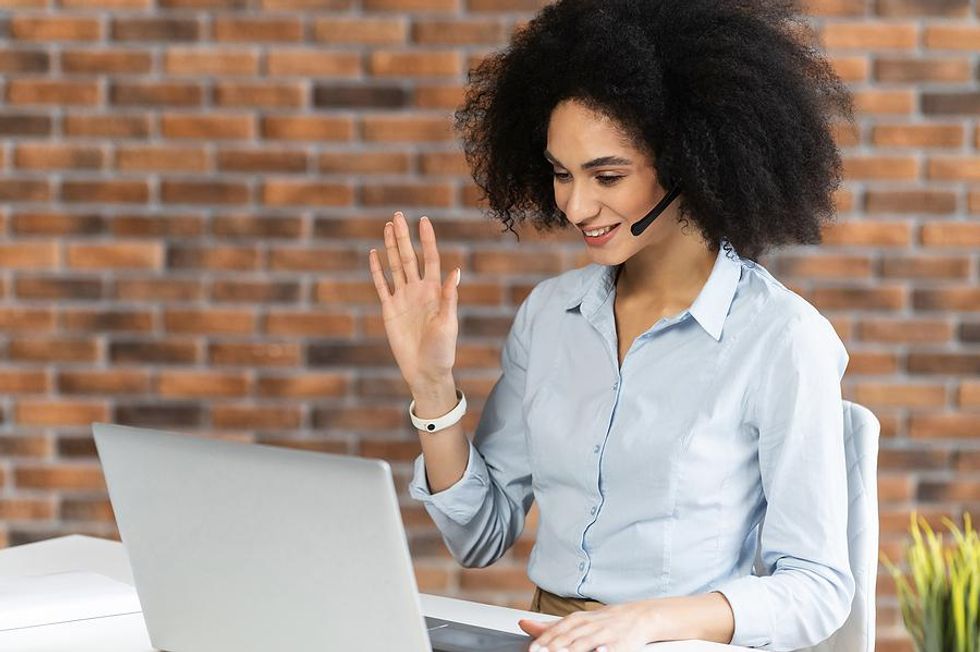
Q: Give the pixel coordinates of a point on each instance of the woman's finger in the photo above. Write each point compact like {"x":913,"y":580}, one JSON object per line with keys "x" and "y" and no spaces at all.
{"x":378,"y":276}
{"x":410,"y":264}
{"x":430,"y":251}
{"x":394,"y":258}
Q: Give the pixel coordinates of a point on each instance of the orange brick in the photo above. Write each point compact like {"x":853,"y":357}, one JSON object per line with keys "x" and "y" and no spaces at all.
{"x":310,"y":259}
{"x":825,"y":266}
{"x":881,"y":167}
{"x":46,"y":156}
{"x":955,"y":426}
{"x":210,"y":126}
{"x":259,"y":94}
{"x":909,"y":135}
{"x":968,"y":394}
{"x":284,"y":192}
{"x":55,"y":28}
{"x":50,"y":91}
{"x":154,"y":28}
{"x":106,"y":62}
{"x":47,"y":349}
{"x":255,"y":354}
{"x":414,"y":64}
{"x":59,"y":413}
{"x":880,"y":297}
{"x":255,"y":30}
{"x":877,"y":101}
{"x":882,"y":234}
{"x":406,"y":195}
{"x":950,"y":234}
{"x":116,"y":255}
{"x":198,"y":62}
{"x":382,"y":128}
{"x":870,"y":36}
{"x":306,"y":324}
{"x":307,"y":385}
{"x":918,"y":70}
{"x":900,"y":395}
{"x":108,"y":191}
{"x":934,"y":202}
{"x":110,"y":126}
{"x":307,"y":128}
{"x":925,"y":267}
{"x":906,"y":330}
{"x":247,"y":416}
{"x":363,"y":162}
{"x":148,"y":93}
{"x":313,"y":63}
{"x":209,"y":321}
{"x":88,"y":320}
{"x":411,"y":5}
{"x":23,"y":381}
{"x":952,"y":37}
{"x":213,"y":257}
{"x":178,"y":191}
{"x":960,"y":299}
{"x":360,"y":31}
{"x":955,"y":169}
{"x":29,"y":255}
{"x":161,"y":158}
{"x":262,"y":160}
{"x":439,"y":97}
{"x":65,"y":477}
{"x":32,"y":320}
{"x":188,"y":384}
{"x":103,"y":382}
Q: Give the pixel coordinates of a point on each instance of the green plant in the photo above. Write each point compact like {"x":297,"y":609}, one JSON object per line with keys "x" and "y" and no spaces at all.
{"x":942,"y":613}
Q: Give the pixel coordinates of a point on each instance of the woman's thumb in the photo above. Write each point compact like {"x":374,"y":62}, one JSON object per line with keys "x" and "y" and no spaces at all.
{"x":450,"y":294}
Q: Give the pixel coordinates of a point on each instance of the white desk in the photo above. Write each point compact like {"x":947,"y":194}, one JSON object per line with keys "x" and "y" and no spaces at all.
{"x":128,"y":633}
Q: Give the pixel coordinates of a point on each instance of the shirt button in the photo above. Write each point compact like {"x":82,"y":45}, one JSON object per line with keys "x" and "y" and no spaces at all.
{"x":581,"y":566}
{"x":596,"y":449}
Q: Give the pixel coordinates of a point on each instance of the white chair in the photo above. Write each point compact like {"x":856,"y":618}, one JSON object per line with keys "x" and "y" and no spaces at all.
{"x":861,"y":430}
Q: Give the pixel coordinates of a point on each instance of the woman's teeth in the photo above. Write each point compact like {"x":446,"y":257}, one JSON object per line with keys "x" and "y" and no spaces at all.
{"x":593,"y":234}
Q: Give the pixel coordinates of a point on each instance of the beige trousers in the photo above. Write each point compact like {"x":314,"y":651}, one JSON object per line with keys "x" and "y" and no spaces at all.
{"x":556,"y":605}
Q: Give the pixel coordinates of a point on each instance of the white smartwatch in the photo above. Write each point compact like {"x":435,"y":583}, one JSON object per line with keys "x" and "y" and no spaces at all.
{"x":440,"y":423}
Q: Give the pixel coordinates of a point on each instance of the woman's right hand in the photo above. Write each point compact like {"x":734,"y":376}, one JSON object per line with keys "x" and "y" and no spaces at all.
{"x":420,"y":314}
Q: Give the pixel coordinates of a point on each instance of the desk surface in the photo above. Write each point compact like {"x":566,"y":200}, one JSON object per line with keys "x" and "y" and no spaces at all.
{"x":128,"y":633}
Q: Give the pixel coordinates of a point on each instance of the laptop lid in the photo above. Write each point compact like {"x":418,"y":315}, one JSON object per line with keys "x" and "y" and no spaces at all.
{"x":240,"y":547}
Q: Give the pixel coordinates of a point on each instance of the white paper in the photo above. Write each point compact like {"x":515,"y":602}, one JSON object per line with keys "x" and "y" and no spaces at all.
{"x":62,"y":597}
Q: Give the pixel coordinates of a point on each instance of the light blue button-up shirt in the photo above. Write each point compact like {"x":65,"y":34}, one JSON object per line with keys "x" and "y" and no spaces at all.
{"x":652,"y":479}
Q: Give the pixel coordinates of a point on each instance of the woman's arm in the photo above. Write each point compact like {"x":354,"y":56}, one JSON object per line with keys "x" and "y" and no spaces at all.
{"x":483,"y":513}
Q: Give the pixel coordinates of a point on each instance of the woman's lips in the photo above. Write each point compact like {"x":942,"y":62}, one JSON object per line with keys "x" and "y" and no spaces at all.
{"x":602,"y":239}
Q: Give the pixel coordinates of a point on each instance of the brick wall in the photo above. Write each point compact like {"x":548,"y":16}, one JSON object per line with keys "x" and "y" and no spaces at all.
{"x":189,"y":189}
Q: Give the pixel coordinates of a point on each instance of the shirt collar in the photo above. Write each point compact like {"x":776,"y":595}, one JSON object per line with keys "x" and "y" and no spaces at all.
{"x":710,"y":308}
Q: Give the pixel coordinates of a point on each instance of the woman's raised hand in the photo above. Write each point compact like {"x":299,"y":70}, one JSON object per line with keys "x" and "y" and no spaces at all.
{"x":420,"y":314}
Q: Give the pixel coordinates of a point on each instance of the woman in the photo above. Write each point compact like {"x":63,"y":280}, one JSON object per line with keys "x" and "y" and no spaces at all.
{"x":660,"y":401}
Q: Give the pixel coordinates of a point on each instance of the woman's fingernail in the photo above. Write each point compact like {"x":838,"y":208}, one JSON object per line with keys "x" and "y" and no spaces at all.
{"x":459,"y":276}
{"x":425,"y":218}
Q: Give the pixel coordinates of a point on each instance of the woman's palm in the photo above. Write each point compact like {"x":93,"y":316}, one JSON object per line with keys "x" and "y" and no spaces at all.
{"x":420,"y":315}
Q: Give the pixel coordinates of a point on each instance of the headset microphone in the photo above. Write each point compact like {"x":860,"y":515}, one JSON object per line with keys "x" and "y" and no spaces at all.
{"x":640,"y":227}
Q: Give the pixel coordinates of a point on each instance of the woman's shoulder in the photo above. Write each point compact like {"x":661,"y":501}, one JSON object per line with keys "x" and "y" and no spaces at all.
{"x":782,"y":312}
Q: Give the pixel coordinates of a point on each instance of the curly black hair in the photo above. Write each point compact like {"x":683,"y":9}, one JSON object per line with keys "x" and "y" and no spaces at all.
{"x":729,"y":98}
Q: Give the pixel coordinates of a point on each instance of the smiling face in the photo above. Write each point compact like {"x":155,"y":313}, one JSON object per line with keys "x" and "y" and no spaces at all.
{"x":601,"y":180}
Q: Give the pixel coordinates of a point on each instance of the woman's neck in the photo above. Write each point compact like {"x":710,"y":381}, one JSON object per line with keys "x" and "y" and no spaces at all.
{"x":668,"y":274}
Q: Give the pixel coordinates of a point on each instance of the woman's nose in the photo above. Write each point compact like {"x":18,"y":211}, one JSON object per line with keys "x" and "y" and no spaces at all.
{"x":580,"y":204}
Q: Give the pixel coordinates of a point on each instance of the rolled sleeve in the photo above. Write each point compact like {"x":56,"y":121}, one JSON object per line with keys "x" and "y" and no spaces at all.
{"x":808,"y":594}
{"x":461,"y":501}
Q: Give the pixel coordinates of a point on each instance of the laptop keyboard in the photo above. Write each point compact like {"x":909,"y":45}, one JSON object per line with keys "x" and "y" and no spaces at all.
{"x":450,"y":636}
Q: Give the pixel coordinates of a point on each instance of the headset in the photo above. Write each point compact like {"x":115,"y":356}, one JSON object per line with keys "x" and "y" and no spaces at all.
{"x":641,"y":226}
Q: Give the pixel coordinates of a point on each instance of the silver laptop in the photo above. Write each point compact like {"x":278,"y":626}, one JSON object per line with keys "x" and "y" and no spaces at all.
{"x":237,"y":546}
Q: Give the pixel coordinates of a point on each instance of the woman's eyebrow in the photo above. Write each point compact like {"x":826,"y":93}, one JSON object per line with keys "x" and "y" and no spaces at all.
{"x":594,"y":163}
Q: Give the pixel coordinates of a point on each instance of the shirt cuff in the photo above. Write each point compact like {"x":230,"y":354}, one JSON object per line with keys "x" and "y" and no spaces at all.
{"x":461,"y":501}
{"x":746,"y":595}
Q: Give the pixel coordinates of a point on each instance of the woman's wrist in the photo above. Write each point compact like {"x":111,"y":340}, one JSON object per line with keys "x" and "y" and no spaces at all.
{"x":434,"y":398}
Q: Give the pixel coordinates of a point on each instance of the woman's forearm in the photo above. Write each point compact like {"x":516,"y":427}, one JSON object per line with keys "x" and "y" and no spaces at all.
{"x":705,"y":617}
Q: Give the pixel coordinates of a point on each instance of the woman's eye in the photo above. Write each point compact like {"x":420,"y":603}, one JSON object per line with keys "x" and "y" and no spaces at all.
{"x":606,"y":180}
